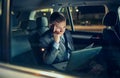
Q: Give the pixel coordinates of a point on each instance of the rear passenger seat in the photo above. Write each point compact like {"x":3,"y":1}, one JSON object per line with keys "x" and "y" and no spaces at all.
{"x":20,"y":47}
{"x":21,"y":50}
{"x":19,"y":42}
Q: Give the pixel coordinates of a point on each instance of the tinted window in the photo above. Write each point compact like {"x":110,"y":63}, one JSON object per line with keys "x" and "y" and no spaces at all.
{"x":87,"y":18}
{"x":91,"y":9}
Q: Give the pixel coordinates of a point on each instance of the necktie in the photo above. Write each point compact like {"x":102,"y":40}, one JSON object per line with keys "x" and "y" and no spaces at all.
{"x":62,"y":48}
{"x":62,"y":40}
{"x":63,"y":53}
{"x":62,"y":44}
{"x":66,"y":53}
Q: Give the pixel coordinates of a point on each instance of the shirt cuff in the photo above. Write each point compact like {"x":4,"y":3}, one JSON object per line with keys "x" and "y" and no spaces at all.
{"x":56,"y":45}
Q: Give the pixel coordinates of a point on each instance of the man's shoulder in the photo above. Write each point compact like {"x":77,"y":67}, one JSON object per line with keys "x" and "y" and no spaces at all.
{"x":48,"y":33}
{"x":46,"y":37}
{"x":67,"y":32}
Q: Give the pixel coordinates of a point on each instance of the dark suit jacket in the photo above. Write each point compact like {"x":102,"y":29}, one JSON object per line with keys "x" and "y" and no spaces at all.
{"x":50,"y":53}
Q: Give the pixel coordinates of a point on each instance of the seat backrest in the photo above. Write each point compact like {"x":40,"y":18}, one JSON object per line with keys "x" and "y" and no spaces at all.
{"x":110,"y":34}
{"x":31,"y":26}
{"x":110,"y":19}
{"x":42,"y":26}
{"x":111,"y":50}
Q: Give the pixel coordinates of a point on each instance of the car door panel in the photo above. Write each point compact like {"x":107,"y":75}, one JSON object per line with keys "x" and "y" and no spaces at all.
{"x":84,"y":39}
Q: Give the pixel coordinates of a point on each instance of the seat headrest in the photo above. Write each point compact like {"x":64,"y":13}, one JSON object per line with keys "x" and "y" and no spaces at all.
{"x":41,"y":22}
{"x":14,"y":21}
{"x":110,"y":19}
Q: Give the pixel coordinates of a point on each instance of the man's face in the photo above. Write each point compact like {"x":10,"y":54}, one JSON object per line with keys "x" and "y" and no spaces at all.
{"x":59,"y":28}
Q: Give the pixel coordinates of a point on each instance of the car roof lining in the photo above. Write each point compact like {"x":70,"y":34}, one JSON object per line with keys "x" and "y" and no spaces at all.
{"x":37,"y":4}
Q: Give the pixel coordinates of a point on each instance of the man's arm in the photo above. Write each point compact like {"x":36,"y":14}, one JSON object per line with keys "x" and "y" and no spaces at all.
{"x":49,"y":57}
{"x":50,"y":50}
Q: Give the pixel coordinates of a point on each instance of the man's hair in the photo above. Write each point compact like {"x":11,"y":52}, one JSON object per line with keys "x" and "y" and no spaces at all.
{"x":57,"y":17}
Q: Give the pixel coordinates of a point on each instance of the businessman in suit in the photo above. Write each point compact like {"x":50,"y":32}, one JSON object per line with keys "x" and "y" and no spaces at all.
{"x":56,"y":43}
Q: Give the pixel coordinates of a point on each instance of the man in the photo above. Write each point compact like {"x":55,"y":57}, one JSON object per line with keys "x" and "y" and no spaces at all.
{"x":56,"y":44}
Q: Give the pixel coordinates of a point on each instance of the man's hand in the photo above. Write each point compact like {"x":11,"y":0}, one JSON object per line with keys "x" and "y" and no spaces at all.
{"x":57,"y":37}
{"x":57,"y":32}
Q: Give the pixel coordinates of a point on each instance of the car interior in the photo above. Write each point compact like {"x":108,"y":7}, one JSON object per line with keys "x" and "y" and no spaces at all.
{"x":92,"y":23}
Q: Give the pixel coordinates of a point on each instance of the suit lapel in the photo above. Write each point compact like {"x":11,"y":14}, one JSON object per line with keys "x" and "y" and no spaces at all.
{"x":68,"y":40}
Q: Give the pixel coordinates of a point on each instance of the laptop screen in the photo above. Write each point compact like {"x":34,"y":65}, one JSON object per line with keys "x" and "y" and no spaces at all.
{"x":80,"y":57}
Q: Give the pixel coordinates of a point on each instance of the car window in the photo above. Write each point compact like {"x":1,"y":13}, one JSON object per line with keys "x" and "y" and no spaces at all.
{"x":21,"y":29}
{"x":87,"y":18}
{"x":64,"y":11}
{"x":41,"y":12}
{"x":16,"y":47}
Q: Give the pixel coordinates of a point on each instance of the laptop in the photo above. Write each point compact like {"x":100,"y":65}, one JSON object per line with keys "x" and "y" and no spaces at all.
{"x":78,"y":58}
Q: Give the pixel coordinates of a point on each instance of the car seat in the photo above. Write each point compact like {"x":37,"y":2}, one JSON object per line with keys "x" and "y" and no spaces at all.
{"x":31,"y":28}
{"x":111,"y":43}
{"x":42,"y":26}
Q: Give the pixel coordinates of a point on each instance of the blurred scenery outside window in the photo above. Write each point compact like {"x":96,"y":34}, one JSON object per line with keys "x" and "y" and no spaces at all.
{"x":87,"y":18}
